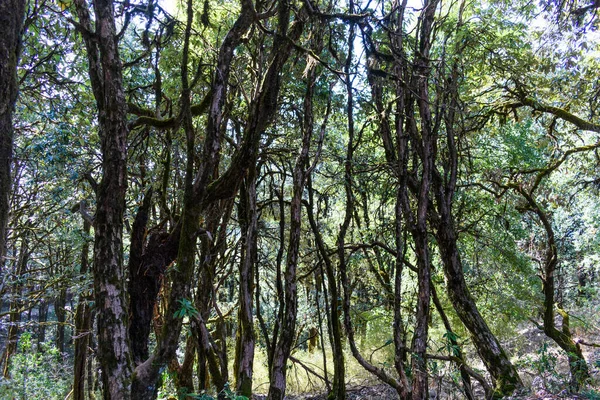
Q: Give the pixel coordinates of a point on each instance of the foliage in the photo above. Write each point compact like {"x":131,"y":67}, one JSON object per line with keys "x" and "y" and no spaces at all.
{"x":501,"y":54}
{"x":37,"y":373}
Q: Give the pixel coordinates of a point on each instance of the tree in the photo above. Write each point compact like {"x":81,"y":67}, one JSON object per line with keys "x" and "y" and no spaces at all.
{"x":13,"y":14}
{"x":290,"y":185}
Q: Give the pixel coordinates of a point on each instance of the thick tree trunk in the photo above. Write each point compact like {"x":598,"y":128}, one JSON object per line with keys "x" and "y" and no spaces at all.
{"x":12,"y":13}
{"x":196,"y":185}
{"x":105,"y":70}
{"x":145,"y":384}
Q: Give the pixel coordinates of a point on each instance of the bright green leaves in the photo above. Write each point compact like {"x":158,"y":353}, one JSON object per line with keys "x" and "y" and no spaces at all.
{"x":187,"y":309}
{"x":450,"y":340}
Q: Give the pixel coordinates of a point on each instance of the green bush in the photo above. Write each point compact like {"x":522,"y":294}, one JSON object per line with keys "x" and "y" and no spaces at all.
{"x":37,"y":374}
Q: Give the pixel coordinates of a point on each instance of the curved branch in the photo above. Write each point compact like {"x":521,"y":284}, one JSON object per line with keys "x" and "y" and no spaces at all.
{"x":147,"y":117}
{"x":560,"y":113}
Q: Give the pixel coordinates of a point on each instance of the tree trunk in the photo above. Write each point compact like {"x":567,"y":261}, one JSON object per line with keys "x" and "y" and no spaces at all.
{"x":339,"y":370}
{"x":41,"y":329}
{"x":283,"y":343}
{"x":563,"y":338}
{"x":244,"y":353}
{"x":456,"y":351}
{"x":83,"y":322}
{"x":417,"y":222}
{"x":145,"y":278}
{"x":504,"y":374}
{"x":16,"y":304}
{"x":105,"y":70}
{"x":400,"y":350}
{"x":211,"y":361}
{"x":183,"y":374}
{"x":61,"y":318}
{"x":195,"y":193}
{"x":12,"y":13}
{"x":489,"y":349}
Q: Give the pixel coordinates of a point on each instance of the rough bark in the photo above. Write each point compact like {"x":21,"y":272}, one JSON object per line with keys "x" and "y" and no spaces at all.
{"x":83,"y":322}
{"x":417,"y":222}
{"x":144,"y":282}
{"x":504,"y":374}
{"x":245,"y":341}
{"x":146,"y":374}
{"x":105,"y":70}
{"x":195,"y":195}
{"x":284,"y":341}
{"x":489,"y":349}
{"x":12,"y":13}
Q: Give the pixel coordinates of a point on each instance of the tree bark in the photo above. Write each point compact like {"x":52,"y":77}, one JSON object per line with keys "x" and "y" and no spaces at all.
{"x":42,"y":319}
{"x":83,"y":322}
{"x":283,"y":343}
{"x":16,"y":304}
{"x":563,"y":338}
{"x":12,"y":13}
{"x":61,"y":318}
{"x":425,"y":144}
{"x":245,"y":341}
{"x":145,"y":278}
{"x":503,"y":373}
{"x":105,"y":70}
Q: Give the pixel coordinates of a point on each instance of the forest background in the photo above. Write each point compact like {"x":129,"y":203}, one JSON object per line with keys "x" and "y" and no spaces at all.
{"x":222,"y":199}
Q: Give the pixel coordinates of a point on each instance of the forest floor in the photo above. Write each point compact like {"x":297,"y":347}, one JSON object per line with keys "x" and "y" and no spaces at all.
{"x":543,"y":368}
{"x":385,"y":392}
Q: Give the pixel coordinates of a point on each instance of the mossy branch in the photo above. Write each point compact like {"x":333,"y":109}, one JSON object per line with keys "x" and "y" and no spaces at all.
{"x":562,"y":114}
{"x":147,"y":118}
